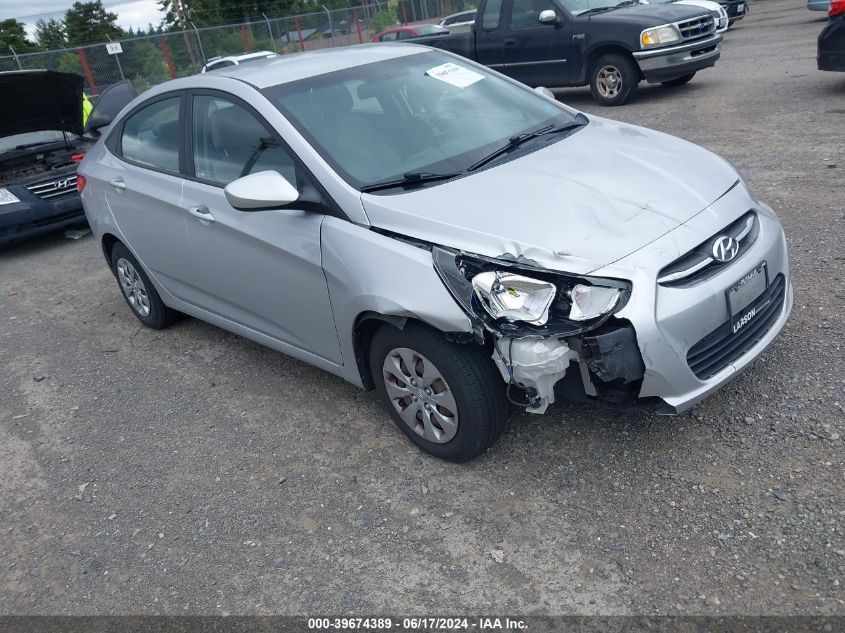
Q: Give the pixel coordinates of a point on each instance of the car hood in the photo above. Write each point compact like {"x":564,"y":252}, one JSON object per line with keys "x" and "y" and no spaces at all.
{"x":646,"y":15}
{"x":36,"y":100}
{"x":577,"y":205}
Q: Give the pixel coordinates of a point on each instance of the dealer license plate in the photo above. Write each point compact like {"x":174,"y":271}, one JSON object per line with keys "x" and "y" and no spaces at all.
{"x":747,"y":298}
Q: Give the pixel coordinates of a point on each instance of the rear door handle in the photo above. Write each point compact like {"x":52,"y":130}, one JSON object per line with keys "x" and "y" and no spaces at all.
{"x":509,"y":42}
{"x":201,"y":212}
{"x":118,"y":184}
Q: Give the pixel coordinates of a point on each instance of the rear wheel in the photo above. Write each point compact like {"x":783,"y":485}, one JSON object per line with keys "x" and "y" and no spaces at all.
{"x":679,"y":81}
{"x":448,"y":398}
{"x":138,"y":290}
{"x":614,"y":79}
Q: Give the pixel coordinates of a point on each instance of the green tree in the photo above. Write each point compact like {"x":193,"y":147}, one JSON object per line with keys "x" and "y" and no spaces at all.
{"x":89,"y":23}
{"x":12,"y":33}
{"x":50,"y":34}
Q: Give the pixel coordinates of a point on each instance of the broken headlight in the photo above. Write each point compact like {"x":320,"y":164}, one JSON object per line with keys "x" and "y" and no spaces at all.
{"x":514,"y":297}
{"x":517,"y":299}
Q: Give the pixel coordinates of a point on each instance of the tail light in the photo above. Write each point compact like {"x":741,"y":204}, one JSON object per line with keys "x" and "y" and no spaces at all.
{"x":837,"y":7}
{"x":77,"y":158}
{"x":80,"y":182}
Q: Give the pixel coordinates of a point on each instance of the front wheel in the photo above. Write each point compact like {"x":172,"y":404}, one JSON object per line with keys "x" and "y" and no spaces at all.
{"x":679,"y":81}
{"x":614,"y":79}
{"x":448,"y":398}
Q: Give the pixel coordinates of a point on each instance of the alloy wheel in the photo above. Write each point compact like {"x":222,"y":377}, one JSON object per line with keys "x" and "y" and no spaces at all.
{"x":609,"y":81}
{"x":133,"y":287}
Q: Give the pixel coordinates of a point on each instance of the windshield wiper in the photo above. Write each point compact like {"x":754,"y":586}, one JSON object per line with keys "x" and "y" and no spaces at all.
{"x":520,"y":139}
{"x":625,"y":3}
{"x":409,"y":179}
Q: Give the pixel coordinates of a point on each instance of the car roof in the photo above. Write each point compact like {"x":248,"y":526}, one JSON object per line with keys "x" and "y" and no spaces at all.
{"x":241,"y":57}
{"x":295,"y":66}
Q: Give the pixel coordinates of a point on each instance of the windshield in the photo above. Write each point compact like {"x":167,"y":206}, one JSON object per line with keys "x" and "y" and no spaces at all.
{"x":577,"y":7}
{"x":421,"y":113}
{"x":32,"y":139}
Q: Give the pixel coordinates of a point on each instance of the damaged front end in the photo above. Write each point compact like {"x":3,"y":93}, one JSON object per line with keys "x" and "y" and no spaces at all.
{"x":549,"y":332}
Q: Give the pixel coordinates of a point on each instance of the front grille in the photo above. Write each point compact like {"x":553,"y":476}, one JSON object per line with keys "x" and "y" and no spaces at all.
{"x":697,"y":28}
{"x":54,"y":188}
{"x":721,"y":347}
{"x":699,"y":264}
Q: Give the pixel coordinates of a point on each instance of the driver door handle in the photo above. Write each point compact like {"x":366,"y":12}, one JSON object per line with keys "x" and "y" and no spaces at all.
{"x":118,"y":184}
{"x":201,"y":212}
{"x":509,"y":41}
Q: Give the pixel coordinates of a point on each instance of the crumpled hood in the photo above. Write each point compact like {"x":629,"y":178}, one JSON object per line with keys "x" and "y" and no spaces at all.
{"x":36,"y":100}
{"x":576,"y":205}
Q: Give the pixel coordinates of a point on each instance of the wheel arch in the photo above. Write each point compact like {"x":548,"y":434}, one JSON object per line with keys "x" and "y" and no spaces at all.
{"x":107,"y":244}
{"x":593,"y":55}
{"x":370,"y":321}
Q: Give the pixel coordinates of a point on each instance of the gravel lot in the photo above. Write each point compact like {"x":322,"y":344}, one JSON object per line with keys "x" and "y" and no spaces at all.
{"x":192,"y":471}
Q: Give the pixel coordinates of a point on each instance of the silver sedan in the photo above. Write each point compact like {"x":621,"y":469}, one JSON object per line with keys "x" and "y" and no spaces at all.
{"x":423,"y":226}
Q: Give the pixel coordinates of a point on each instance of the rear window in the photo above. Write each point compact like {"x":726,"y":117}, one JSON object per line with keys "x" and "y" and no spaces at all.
{"x":151,"y":135}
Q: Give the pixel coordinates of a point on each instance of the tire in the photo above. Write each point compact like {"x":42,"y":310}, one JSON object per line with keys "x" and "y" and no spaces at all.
{"x":679,"y":81}
{"x":467,"y":406}
{"x":138,"y":291}
{"x":614,"y":79}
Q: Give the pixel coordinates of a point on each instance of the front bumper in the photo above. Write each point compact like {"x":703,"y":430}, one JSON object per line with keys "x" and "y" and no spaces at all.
{"x":736,"y":10}
{"x":33,"y":215}
{"x":665,"y":64}
{"x":669,"y":321}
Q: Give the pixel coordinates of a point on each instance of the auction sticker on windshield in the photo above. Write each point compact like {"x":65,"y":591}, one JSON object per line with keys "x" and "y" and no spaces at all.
{"x":454,"y":75}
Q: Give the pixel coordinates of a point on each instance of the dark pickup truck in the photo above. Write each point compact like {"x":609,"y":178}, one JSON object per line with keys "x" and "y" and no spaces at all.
{"x":611,"y":45}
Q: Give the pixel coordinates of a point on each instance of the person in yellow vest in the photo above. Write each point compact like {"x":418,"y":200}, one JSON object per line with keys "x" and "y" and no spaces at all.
{"x":87,"y":107}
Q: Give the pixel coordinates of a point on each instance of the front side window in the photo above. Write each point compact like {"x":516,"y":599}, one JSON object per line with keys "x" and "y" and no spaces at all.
{"x":490,"y":19}
{"x":229,"y":142}
{"x":388,"y":37}
{"x":151,"y":135}
{"x":525,"y":14}
{"x":436,"y":114}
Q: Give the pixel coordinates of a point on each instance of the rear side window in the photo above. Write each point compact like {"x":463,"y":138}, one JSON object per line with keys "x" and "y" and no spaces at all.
{"x":151,"y":136}
{"x":490,"y":19}
{"x":229,"y":142}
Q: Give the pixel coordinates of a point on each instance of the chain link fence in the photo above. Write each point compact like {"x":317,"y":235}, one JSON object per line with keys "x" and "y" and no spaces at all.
{"x":152,"y":59}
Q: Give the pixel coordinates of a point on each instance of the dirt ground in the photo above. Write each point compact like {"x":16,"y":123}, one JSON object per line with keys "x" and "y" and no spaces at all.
{"x":192,"y":471}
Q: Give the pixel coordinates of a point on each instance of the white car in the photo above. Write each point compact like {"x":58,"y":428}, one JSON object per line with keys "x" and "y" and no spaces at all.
{"x":214,"y":63}
{"x":720,"y":16}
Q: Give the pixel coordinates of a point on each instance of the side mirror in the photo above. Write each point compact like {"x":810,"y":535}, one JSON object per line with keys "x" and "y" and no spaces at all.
{"x":545,"y":92}
{"x":261,"y":191}
{"x":548,"y":17}
{"x":97,"y":121}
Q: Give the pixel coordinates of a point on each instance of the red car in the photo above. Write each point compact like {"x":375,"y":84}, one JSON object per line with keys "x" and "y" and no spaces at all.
{"x":409,"y":32}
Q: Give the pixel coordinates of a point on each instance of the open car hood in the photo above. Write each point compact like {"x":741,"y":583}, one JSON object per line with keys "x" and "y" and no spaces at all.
{"x":36,"y":100}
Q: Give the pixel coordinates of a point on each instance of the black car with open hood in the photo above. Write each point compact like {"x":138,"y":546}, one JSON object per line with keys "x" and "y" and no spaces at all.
{"x":42,"y":140}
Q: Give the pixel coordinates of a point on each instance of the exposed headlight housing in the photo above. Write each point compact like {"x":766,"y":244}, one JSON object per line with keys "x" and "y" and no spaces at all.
{"x":660,"y":36}
{"x":514,"y":297}
{"x":591,"y":302}
{"x":521,"y":300}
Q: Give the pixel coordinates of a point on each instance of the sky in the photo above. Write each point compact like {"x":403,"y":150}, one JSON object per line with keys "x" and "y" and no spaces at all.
{"x":130,"y":13}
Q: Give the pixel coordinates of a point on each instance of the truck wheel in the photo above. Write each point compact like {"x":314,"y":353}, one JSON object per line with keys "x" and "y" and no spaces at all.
{"x":613,"y":79}
{"x":679,"y":81}
{"x":448,"y":398}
